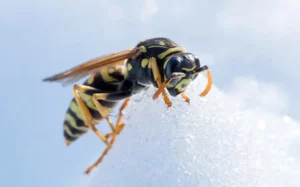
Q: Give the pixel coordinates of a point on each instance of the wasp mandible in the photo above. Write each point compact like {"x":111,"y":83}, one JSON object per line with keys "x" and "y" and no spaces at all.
{"x":157,"y":62}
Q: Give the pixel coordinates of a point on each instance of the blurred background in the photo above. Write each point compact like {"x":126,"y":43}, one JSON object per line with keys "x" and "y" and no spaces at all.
{"x":252,"y":48}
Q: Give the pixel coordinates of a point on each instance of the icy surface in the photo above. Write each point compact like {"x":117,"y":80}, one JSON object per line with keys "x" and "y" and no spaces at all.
{"x":211,"y":142}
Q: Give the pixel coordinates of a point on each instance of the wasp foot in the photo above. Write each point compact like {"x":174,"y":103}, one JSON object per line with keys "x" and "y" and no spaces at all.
{"x":186,"y":98}
{"x":110,"y":135}
{"x":166,"y":99}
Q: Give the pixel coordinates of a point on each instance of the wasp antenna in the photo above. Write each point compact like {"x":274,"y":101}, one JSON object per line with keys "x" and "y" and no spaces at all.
{"x":209,"y":84}
{"x":199,"y":70}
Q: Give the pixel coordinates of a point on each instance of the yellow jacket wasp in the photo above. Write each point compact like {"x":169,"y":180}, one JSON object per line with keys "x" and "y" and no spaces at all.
{"x":115,"y":77}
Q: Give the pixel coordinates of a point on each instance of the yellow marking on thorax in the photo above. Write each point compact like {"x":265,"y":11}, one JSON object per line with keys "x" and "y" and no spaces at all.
{"x":105,"y":75}
{"x":155,"y":69}
{"x":129,"y":66}
{"x":182,"y":81}
{"x":157,"y":46}
{"x":162,"y":43}
{"x":72,"y":122}
{"x":145,"y":62}
{"x":68,"y":131}
{"x":144,"y":49}
{"x":169,"y":51}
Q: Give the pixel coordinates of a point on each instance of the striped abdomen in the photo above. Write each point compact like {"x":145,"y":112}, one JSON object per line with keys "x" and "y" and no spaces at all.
{"x":106,"y":81}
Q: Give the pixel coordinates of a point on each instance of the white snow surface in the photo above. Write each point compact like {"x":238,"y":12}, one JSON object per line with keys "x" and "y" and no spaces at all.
{"x":212,"y":142}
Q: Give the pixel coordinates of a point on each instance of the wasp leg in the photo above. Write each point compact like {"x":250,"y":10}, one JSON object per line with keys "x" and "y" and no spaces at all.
{"x":113,"y":136}
{"x":103,"y":111}
{"x":120,"y":126}
{"x":166,"y":98}
{"x":186,"y":98}
{"x":162,"y":86}
{"x":87,"y":117}
{"x":158,"y":80}
{"x":108,"y":97}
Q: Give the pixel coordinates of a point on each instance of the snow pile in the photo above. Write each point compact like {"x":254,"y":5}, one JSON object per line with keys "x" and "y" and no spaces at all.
{"x":211,"y":142}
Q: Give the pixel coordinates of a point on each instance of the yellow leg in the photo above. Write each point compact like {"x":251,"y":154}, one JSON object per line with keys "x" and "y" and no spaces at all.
{"x":166,"y":99}
{"x":113,"y":136}
{"x":87,"y":117}
{"x":104,"y":111}
{"x":186,"y":98}
{"x":162,"y":86}
{"x":119,"y":126}
{"x":158,"y":80}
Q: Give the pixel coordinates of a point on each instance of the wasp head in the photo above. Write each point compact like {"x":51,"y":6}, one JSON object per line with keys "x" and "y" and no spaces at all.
{"x":181,"y":69}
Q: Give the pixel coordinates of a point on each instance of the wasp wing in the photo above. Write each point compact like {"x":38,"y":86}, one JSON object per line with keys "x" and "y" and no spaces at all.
{"x":92,"y":66}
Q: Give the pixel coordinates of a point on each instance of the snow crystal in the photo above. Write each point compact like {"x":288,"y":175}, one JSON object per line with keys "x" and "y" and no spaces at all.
{"x":211,"y":142}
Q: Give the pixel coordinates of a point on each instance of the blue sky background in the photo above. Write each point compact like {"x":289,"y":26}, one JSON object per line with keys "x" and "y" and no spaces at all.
{"x":256,"y":40}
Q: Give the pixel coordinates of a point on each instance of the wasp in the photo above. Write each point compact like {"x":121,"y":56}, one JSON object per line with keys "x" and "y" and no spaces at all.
{"x":116,"y":77}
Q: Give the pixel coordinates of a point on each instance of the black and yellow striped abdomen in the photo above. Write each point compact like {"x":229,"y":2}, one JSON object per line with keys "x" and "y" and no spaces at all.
{"x":107,"y":81}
